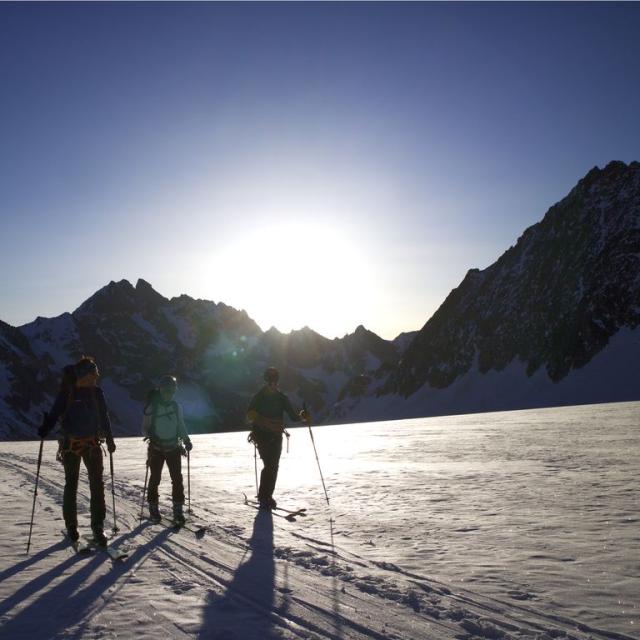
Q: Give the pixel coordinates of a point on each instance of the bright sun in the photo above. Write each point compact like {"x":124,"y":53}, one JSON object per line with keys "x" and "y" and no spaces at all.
{"x":297,"y":274}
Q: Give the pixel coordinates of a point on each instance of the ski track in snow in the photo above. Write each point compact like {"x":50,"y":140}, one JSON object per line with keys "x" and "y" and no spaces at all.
{"x":253,"y":576}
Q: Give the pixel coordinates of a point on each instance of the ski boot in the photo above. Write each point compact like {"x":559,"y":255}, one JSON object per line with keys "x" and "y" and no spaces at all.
{"x":99,"y":538}
{"x":154,"y":512}
{"x":72,"y":532}
{"x":267,"y":503}
{"x":178,"y":513}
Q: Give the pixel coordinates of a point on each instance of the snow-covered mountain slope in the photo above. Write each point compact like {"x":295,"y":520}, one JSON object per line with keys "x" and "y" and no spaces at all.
{"x":610,"y":376}
{"x":217,"y":352}
{"x":520,"y":332}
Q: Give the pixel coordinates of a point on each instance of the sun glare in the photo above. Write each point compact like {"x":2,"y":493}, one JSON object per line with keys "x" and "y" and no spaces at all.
{"x":295,"y":275}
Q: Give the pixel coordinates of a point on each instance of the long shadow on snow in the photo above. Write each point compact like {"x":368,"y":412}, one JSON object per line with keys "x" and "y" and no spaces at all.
{"x":245,"y":610}
{"x":31,"y":559}
{"x":65,"y":604}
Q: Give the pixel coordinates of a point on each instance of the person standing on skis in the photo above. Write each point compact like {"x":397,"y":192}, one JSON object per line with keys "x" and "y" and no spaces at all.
{"x":163,"y":425}
{"x":265,"y":413}
{"x":81,"y":408}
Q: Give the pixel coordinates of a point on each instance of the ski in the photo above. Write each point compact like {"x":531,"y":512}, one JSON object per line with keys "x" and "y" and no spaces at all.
{"x":197,"y":530}
{"x":79,"y":546}
{"x":114,"y":554}
{"x":291,"y":517}
{"x":291,"y":512}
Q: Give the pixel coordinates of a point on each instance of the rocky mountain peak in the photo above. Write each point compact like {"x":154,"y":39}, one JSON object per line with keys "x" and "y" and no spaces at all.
{"x":147,"y":296}
{"x":553,"y":300}
{"x":114,"y":297}
{"x":122,"y":298}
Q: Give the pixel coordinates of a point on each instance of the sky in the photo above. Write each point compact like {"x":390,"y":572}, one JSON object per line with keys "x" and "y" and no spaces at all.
{"x":316,"y":164}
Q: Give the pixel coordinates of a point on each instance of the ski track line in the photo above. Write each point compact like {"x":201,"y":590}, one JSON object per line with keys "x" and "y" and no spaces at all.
{"x":497,"y":605}
{"x":243,"y":598}
{"x":239,"y":595}
{"x":299,"y":619}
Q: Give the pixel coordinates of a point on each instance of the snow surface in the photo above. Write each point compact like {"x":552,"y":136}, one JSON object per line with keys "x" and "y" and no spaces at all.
{"x":186,"y":334}
{"x":518,"y":524}
{"x":56,"y":337}
{"x":332,"y":382}
{"x":223,"y":346}
{"x":195,"y":401}
{"x":150,"y":329}
{"x":129,"y":411}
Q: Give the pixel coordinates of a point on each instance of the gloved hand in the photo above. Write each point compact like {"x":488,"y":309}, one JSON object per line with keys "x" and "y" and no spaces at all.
{"x":188,"y":445}
{"x":111,"y":445}
{"x":44,"y":429}
{"x":305,"y":416}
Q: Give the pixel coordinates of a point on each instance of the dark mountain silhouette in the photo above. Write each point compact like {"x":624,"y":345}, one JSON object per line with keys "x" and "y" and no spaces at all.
{"x":553,"y":321}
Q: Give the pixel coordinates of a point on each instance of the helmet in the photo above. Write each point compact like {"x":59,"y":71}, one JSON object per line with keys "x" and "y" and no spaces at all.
{"x":271,"y":374}
{"x":84,"y":367}
{"x":168,"y":382}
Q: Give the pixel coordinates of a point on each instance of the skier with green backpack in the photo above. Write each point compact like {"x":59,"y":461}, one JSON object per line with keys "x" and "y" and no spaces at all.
{"x":163,"y":426}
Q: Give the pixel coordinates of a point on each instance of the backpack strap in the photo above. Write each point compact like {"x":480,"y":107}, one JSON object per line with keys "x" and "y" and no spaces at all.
{"x":67,"y":407}
{"x":96,"y":405}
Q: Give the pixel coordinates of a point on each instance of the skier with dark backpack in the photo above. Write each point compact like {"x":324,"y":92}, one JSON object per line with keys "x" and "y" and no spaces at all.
{"x":82,"y":411}
{"x":163,"y":425}
{"x":265,"y":413}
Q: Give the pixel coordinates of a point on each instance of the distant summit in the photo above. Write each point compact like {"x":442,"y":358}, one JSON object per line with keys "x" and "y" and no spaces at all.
{"x":553,"y":300}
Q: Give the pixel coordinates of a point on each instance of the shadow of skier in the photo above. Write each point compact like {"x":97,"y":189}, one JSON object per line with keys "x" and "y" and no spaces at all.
{"x":67,"y":602}
{"x":31,"y":559}
{"x":245,"y":610}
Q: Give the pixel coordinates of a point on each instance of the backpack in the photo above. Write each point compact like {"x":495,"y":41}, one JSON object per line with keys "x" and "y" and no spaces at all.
{"x":152,"y":400}
{"x":69,"y":377}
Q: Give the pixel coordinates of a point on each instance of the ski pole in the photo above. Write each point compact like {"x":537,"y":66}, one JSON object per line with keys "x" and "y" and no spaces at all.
{"x":113,"y":494}
{"x":255,"y":464}
{"x":35,"y":493}
{"x":189,"y":481}
{"x":144,"y":489}
{"x":313,"y":442}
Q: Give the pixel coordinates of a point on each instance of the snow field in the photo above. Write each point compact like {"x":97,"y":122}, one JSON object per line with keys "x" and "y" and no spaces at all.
{"x":385,"y":561}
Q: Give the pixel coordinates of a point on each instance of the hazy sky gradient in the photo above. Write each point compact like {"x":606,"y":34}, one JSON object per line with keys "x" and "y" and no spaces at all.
{"x":408,"y":142}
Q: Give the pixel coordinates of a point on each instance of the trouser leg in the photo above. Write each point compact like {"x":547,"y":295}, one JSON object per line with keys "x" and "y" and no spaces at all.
{"x":174,"y":464}
{"x":269,"y":450}
{"x":156,"y":462}
{"x":92,"y":459}
{"x":71,"y":463}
